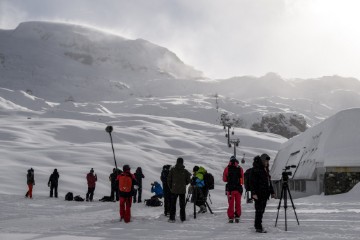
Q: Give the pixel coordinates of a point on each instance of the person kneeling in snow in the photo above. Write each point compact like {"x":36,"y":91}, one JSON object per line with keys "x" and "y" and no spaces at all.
{"x":198,"y":185}
{"x":127,"y":182}
{"x":157,"y":189}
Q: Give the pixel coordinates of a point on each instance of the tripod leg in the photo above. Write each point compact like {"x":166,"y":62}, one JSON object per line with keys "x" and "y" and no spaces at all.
{"x":293,"y":206}
{"x":207,"y":204}
{"x":195,"y":199}
{"x":285,"y":206}
{"x":281,"y":197}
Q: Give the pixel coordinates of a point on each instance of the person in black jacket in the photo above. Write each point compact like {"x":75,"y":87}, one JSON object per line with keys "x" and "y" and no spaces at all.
{"x":114,"y":184}
{"x":261,"y":188}
{"x":166,"y":189}
{"x":139,"y":176}
{"x":53,"y":183}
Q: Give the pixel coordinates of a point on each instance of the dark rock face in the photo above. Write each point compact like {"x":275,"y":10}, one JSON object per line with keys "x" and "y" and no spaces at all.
{"x":286,"y":126}
{"x":336,"y":183}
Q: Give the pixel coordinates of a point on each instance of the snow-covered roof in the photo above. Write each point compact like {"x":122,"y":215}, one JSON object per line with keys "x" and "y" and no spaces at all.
{"x":332,"y":143}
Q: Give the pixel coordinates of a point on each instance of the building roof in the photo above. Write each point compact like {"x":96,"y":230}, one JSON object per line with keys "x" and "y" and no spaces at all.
{"x":335,"y":142}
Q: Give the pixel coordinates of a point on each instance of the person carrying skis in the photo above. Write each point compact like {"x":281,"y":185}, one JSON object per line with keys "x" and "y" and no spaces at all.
{"x":53,"y":183}
{"x":261,"y":188}
{"x":233,"y":176}
{"x":167,"y":194}
{"x":30,"y":182}
{"x":157,"y":189}
{"x":198,"y":185}
{"x":177,"y":180}
{"x":114,"y":184}
{"x":139,"y":176}
{"x":127,"y":182}
{"x":91,"y":181}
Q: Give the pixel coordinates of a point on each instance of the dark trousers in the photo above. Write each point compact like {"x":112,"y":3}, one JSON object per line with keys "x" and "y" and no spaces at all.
{"x":90,"y":193}
{"x":201,"y":196}
{"x":173,"y":206}
{"x":114,"y":192}
{"x":54,"y":188}
{"x":137,"y":193}
{"x":260,"y":206}
{"x":167,"y":202}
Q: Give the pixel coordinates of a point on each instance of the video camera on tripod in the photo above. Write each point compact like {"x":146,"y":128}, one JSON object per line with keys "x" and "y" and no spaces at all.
{"x":285,"y":193}
{"x":285,"y":174}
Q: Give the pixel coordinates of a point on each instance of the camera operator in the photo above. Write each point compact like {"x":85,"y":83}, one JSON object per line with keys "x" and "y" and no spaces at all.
{"x":261,"y":187}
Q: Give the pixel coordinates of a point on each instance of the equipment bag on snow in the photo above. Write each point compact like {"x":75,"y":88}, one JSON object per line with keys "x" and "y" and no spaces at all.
{"x":78,"y":198}
{"x":153,"y":202}
{"x":209,"y":181}
{"x":125,"y":183}
{"x":69,"y":196}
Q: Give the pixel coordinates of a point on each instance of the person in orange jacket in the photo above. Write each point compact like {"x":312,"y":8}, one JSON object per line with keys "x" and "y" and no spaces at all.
{"x":233,"y":176}
{"x":127,"y":181}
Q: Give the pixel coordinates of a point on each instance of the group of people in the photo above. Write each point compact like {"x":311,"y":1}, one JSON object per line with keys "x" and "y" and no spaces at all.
{"x":127,"y":188}
{"x":260,"y":188}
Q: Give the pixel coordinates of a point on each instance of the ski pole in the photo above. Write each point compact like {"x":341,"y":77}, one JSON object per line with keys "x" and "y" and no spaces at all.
{"x":109,"y":129}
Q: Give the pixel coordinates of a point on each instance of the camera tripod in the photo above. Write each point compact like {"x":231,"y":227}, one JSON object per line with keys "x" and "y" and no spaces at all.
{"x":193,"y":193}
{"x":284,"y":195}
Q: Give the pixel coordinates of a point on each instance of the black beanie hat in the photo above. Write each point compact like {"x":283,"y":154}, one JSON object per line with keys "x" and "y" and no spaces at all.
{"x":180,"y":161}
{"x":196,"y":168}
{"x":126,"y":168}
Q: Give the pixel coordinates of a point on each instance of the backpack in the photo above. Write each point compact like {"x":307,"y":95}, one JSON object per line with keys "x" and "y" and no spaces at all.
{"x":247,"y":176}
{"x":234,"y":175}
{"x":165,"y":173}
{"x":78,"y":198}
{"x":69,"y":196}
{"x":125,"y":183}
{"x":153,"y":202}
{"x":209,"y":181}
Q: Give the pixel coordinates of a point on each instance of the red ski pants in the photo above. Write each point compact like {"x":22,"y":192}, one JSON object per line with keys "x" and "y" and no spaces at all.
{"x":125,"y":208}
{"x":234,"y":200}
{"x":29,"y":193}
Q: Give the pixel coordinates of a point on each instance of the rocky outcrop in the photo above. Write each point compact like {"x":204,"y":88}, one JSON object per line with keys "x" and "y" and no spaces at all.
{"x":285,"y":125}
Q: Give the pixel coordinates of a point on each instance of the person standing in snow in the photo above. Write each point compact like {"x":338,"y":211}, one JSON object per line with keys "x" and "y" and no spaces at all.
{"x":167,"y":194}
{"x":177,"y":180}
{"x":233,"y":176}
{"x":91,"y":181}
{"x":139,"y":176}
{"x":114,"y":184}
{"x":30,"y":182}
{"x":261,"y":188}
{"x":127,"y":182}
{"x":53,"y":183}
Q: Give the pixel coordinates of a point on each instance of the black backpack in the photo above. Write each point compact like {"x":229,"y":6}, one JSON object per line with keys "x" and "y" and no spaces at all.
{"x":69,"y":196}
{"x":78,"y":199}
{"x":209,"y":181}
{"x":153,"y":202}
{"x":234,"y":175}
{"x":247,"y":177}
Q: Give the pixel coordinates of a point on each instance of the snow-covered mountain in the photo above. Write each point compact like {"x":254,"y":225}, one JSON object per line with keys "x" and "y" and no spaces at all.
{"x":57,"y":61}
{"x":62,"y":62}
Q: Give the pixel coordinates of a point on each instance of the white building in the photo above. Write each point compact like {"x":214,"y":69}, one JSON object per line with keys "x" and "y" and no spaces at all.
{"x":326,"y":156}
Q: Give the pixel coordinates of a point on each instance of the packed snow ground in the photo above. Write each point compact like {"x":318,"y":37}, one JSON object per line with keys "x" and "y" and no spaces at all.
{"x":321,"y":217}
{"x":73,"y":140}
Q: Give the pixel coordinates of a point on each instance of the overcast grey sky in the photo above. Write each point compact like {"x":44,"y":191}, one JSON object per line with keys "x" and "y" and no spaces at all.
{"x":223,"y":38}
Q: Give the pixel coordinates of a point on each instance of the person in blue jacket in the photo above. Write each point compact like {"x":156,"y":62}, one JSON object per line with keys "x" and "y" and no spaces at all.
{"x":157,"y":189}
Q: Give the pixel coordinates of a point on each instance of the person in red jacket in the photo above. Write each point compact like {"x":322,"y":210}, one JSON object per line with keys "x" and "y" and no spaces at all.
{"x":126,"y":190}
{"x":91,"y":181}
{"x":233,"y":176}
